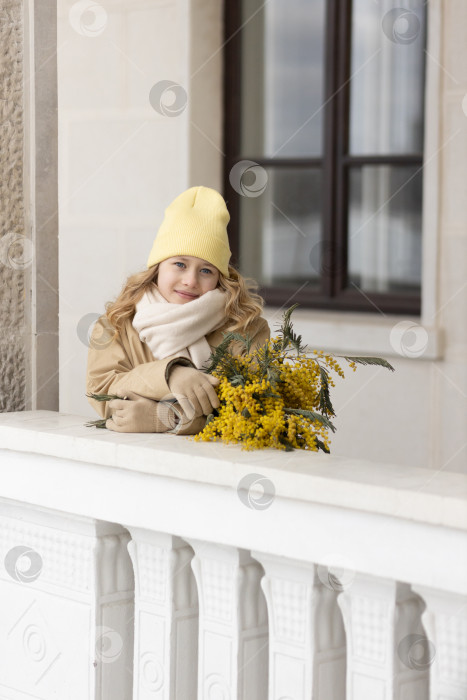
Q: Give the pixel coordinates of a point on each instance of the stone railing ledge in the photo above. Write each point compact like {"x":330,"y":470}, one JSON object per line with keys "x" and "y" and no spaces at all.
{"x":422,"y":495}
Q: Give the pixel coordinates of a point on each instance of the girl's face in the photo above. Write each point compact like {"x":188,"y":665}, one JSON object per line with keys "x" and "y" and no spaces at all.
{"x":184,"y":278}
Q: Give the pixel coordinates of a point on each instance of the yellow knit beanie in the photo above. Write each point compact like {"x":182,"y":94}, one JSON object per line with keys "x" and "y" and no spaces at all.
{"x":194,"y":224}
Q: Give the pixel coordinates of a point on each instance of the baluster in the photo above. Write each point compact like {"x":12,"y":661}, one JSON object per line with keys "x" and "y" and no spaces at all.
{"x":445,"y":648}
{"x":330,"y":645}
{"x":381,"y":617}
{"x":307,"y":643}
{"x":232,"y":624}
{"x":66,"y":605}
{"x":166,"y":612}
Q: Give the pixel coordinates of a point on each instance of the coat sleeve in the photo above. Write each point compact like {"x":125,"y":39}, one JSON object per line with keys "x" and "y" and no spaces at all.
{"x":111,"y":371}
{"x":259,"y":334}
{"x":262,"y":334}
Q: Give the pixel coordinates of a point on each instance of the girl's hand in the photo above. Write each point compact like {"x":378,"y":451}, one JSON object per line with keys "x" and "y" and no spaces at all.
{"x":140,"y":415}
{"x":194,"y":390}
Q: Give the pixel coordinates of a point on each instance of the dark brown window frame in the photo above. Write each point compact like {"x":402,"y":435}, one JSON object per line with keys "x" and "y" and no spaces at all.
{"x":334,"y":294}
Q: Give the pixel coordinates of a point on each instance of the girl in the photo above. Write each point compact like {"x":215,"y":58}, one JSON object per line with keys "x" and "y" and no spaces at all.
{"x":151,"y":344}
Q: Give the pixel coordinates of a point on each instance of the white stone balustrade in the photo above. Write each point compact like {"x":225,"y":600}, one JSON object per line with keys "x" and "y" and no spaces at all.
{"x":155,"y":568}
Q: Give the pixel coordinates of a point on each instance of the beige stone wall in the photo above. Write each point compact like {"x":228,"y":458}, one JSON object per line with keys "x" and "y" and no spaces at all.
{"x":450,"y":398}
{"x":14,"y":249}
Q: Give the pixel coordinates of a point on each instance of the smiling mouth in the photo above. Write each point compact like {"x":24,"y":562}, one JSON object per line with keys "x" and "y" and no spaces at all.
{"x":187,"y":294}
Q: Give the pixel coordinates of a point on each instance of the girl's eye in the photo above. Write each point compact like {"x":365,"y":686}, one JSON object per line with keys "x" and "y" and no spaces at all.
{"x":182,"y":265}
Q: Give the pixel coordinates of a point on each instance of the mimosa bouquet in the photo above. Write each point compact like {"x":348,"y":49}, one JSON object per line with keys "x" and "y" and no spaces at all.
{"x":277,"y":395}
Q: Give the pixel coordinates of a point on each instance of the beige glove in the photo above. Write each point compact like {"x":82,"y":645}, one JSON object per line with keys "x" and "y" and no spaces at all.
{"x":187,"y":426}
{"x":194,"y":390}
{"x":141,"y":415}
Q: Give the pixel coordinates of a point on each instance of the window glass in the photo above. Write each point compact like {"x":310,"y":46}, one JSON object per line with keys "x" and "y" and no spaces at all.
{"x":387,"y":77}
{"x":324,"y":149}
{"x":282,"y":68}
{"x":281,"y":229}
{"x":385,"y":228}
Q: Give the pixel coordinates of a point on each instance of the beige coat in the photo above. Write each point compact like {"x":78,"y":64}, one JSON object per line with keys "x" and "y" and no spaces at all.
{"x":127,"y":364}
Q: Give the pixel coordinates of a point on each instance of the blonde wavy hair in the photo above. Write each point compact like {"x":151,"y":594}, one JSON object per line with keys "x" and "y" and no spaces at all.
{"x":243,"y":305}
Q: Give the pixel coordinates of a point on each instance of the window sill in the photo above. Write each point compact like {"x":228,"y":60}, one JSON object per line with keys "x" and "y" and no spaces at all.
{"x":362,"y":333}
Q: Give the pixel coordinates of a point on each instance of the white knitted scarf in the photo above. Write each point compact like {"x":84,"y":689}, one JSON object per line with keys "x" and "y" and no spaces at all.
{"x":179,"y":329}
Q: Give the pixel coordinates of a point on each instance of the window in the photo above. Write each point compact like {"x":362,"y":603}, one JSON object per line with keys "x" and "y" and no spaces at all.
{"x":324,"y":149}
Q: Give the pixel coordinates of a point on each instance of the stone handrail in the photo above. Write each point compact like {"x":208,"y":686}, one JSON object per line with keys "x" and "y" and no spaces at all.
{"x":152,"y":566}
